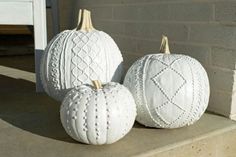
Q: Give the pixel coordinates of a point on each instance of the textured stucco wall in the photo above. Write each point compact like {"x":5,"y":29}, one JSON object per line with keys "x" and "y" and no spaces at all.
{"x":203,"y":29}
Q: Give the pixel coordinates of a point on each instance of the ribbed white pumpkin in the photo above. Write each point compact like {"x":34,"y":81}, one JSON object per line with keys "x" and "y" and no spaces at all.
{"x":76,"y":57}
{"x":98,"y":116}
{"x":170,"y":90}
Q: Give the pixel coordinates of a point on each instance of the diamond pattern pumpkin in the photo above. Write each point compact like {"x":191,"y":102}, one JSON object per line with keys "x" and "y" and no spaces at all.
{"x":76,"y":57}
{"x":170,"y":90}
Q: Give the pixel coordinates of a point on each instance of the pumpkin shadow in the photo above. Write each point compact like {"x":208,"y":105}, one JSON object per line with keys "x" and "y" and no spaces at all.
{"x":21,"y":107}
{"x":119,"y":72}
{"x":138,"y":125}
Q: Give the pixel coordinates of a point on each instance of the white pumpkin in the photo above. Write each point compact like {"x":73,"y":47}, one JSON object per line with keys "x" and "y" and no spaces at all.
{"x":170,"y":90}
{"x":98,"y":115}
{"x":76,"y":57}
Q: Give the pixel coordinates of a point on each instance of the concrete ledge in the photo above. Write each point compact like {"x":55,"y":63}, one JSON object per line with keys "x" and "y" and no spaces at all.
{"x":216,"y":143}
{"x":30,"y":127}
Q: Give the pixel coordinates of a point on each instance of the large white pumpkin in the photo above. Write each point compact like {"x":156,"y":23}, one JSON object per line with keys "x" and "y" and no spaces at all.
{"x":76,"y":57}
{"x":98,"y":116}
{"x":170,"y":90}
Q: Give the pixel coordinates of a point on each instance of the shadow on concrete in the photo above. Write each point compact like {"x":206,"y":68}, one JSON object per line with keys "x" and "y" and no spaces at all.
{"x":23,"y":108}
{"x":21,"y":62}
{"x":138,"y":125}
{"x":14,"y":46}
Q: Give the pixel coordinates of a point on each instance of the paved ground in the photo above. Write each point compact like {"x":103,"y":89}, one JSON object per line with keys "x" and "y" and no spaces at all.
{"x":30,"y":125}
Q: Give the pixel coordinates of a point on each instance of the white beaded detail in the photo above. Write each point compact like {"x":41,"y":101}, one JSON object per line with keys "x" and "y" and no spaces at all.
{"x":170,"y":91}
{"x":98,"y":116}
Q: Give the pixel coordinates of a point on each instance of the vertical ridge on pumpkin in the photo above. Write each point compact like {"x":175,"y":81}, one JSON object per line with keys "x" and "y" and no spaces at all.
{"x":53,"y":68}
{"x":86,"y":116}
{"x":108,"y":58}
{"x":62,"y":70}
{"x":66,"y":58}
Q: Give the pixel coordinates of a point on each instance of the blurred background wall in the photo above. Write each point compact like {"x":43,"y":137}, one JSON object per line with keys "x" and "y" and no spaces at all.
{"x":203,"y":29}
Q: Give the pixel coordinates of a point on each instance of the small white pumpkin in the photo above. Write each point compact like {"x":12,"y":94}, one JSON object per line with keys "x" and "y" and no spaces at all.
{"x":100,"y":115}
{"x":170,"y":90}
{"x":76,"y":57}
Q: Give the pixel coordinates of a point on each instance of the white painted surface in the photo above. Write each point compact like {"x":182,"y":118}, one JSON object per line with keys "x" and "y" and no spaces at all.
{"x":16,"y":0}
{"x":28,"y":12}
{"x":18,"y":13}
{"x":170,"y":90}
{"x":40,"y":29}
{"x":100,"y":116}
{"x":40,"y":37}
{"x":74,"y":58}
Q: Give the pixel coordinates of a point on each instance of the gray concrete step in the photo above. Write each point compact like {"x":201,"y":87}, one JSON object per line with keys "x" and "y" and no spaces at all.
{"x":30,"y":127}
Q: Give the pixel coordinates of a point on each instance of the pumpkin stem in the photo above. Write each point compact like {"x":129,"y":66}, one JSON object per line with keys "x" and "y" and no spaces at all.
{"x":165,"y":45}
{"x":84,"y":21}
{"x":79,"y":17}
{"x":97,"y":84}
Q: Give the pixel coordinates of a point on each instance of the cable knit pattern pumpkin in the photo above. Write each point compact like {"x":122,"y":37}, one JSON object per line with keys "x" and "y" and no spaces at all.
{"x":170,"y":90}
{"x":98,"y":116}
{"x":76,"y":57}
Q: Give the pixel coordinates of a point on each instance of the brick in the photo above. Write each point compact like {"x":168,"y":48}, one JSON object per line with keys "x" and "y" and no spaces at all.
{"x":97,"y":12}
{"x":90,"y":2}
{"x":130,"y":58}
{"x":125,"y":43}
{"x":225,"y":11}
{"x":101,"y":12}
{"x":129,"y":1}
{"x":214,"y":34}
{"x":191,"y":12}
{"x":151,"y":12}
{"x":177,"y":32}
{"x":141,"y":30}
{"x":201,"y":53}
{"x":223,"y":57}
{"x":110,"y":27}
{"x":220,"y":102}
{"x":221,"y":79}
{"x":147,"y":47}
{"x":116,"y":2}
{"x":68,"y":14}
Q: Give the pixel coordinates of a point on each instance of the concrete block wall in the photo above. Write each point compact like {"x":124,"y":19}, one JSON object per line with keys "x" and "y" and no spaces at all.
{"x":203,"y":29}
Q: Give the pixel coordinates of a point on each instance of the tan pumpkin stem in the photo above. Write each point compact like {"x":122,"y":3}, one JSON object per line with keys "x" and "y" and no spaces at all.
{"x":164,"y":45}
{"x":79,"y":17}
{"x":84,"y":21}
{"x":97,"y":84}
